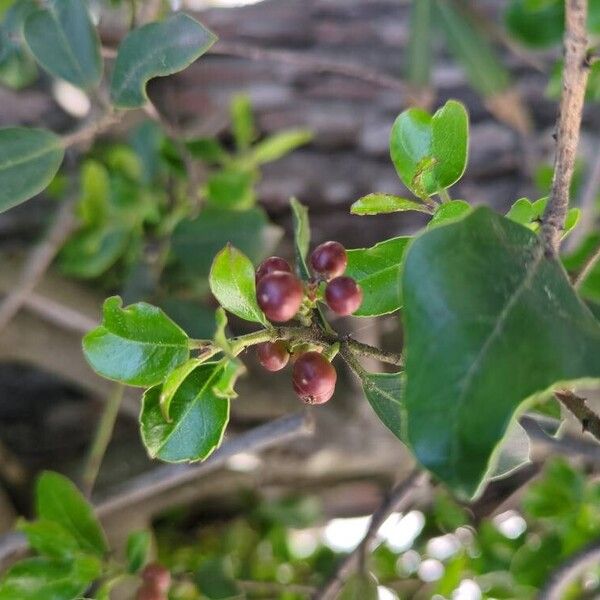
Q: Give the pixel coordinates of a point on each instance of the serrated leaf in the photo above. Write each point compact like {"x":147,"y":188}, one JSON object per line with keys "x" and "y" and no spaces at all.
{"x":47,"y":579}
{"x":384,"y":393}
{"x":156,"y":50}
{"x":29,"y":160}
{"x":65,"y":42}
{"x":378,"y":203}
{"x":57,"y":499}
{"x":138,"y":550}
{"x":195,"y":242}
{"x":377,"y":270}
{"x":430,"y":152}
{"x":50,"y":538}
{"x":137,"y":345}
{"x":449,"y":211}
{"x":490,"y":321}
{"x":279,"y":144}
{"x":198,"y":417}
{"x":232,"y":282}
{"x":172,"y":383}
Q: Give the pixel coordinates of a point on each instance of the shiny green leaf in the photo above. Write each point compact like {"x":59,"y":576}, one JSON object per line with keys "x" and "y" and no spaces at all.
{"x":137,"y":345}
{"x":279,"y":144}
{"x":57,"y":499}
{"x":377,"y":270}
{"x":384,"y":393}
{"x":50,"y":538}
{"x":29,"y":160}
{"x":198,"y":417}
{"x":378,"y":203}
{"x":301,"y":237}
{"x":156,"y":50}
{"x":232,"y":282}
{"x":138,"y":550}
{"x":65,"y":42}
{"x":430,"y":152}
{"x":449,"y":211}
{"x":242,"y":121}
{"x":172,"y":383}
{"x":490,"y":321}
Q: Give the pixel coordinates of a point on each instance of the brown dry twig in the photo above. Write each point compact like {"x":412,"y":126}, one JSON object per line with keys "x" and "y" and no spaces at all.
{"x":575,"y":75}
{"x":578,"y":407}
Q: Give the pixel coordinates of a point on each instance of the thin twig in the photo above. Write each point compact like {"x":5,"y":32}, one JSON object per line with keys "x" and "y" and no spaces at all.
{"x":587,"y":267}
{"x":575,"y":75}
{"x":561,"y":578}
{"x":92,"y":130}
{"x":578,"y":407}
{"x":102,"y":438}
{"x":38,"y":262}
{"x":398,"y":500}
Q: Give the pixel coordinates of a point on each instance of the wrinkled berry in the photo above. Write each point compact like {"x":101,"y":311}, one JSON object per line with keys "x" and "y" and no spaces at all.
{"x":273,"y":356}
{"x":329,"y":259}
{"x":314,"y":378}
{"x":271,"y":264}
{"x":279,"y":296}
{"x":343,"y":295}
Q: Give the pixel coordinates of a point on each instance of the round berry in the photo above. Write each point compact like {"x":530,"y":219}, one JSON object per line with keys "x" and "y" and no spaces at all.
{"x":279,"y":295}
{"x":147,"y":591}
{"x":155,"y":575}
{"x":314,"y":378}
{"x":343,"y":295}
{"x":271,"y":264}
{"x":273,"y":356}
{"x":329,"y":259}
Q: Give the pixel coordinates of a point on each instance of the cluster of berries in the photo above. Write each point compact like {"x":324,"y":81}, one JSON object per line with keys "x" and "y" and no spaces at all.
{"x":280,"y":295}
{"x":156,"y":581}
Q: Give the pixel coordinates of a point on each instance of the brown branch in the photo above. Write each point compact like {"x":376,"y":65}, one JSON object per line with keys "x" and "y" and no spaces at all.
{"x":38,"y":262}
{"x":575,"y":75}
{"x":587,"y":267}
{"x":398,"y":500}
{"x":578,"y":407}
{"x":561,"y":578}
{"x":92,"y":130}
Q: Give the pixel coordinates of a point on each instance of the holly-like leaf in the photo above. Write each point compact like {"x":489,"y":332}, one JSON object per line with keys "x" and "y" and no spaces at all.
{"x":156,"y":50}
{"x":430,"y":152}
{"x":137,"y":345}
{"x":198,"y":416}
{"x":50,"y":538}
{"x":65,"y":42}
{"x":138,"y":550}
{"x":29,"y":160}
{"x":377,"y":270}
{"x":279,"y":144}
{"x":195,"y":242}
{"x":378,"y":203}
{"x":384,"y":393}
{"x":490,"y":321}
{"x":47,"y":579}
{"x":57,"y":499}
{"x":232,"y":282}
{"x":449,"y":211}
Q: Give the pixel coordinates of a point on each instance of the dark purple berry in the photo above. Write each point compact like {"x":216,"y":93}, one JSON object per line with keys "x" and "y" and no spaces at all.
{"x":270,"y":265}
{"x":273,"y":356}
{"x":329,"y":259}
{"x":314,"y":378}
{"x":343,"y":295}
{"x":279,"y":295}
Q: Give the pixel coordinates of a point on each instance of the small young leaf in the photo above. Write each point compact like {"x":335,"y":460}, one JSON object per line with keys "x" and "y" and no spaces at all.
{"x":449,"y":211}
{"x":29,"y":160}
{"x":65,"y":42}
{"x":207,"y":149}
{"x":536,"y":26}
{"x":242,"y":121}
{"x":231,"y":188}
{"x":198,"y":417}
{"x":430,"y":153}
{"x":361,"y":586}
{"x":377,"y":270}
{"x":58,"y":500}
{"x":138,"y":549}
{"x":172,"y":383}
{"x":301,"y":237}
{"x":279,"y":144}
{"x":521,"y":212}
{"x":138,"y":345}
{"x":215,"y":579}
{"x":232,"y":282}
{"x":467,"y":376}
{"x":156,"y":50}
{"x":384,"y":393}
{"x":93,"y":205}
{"x":46,"y":579}
{"x":50,"y":538}
{"x":377,"y":204}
